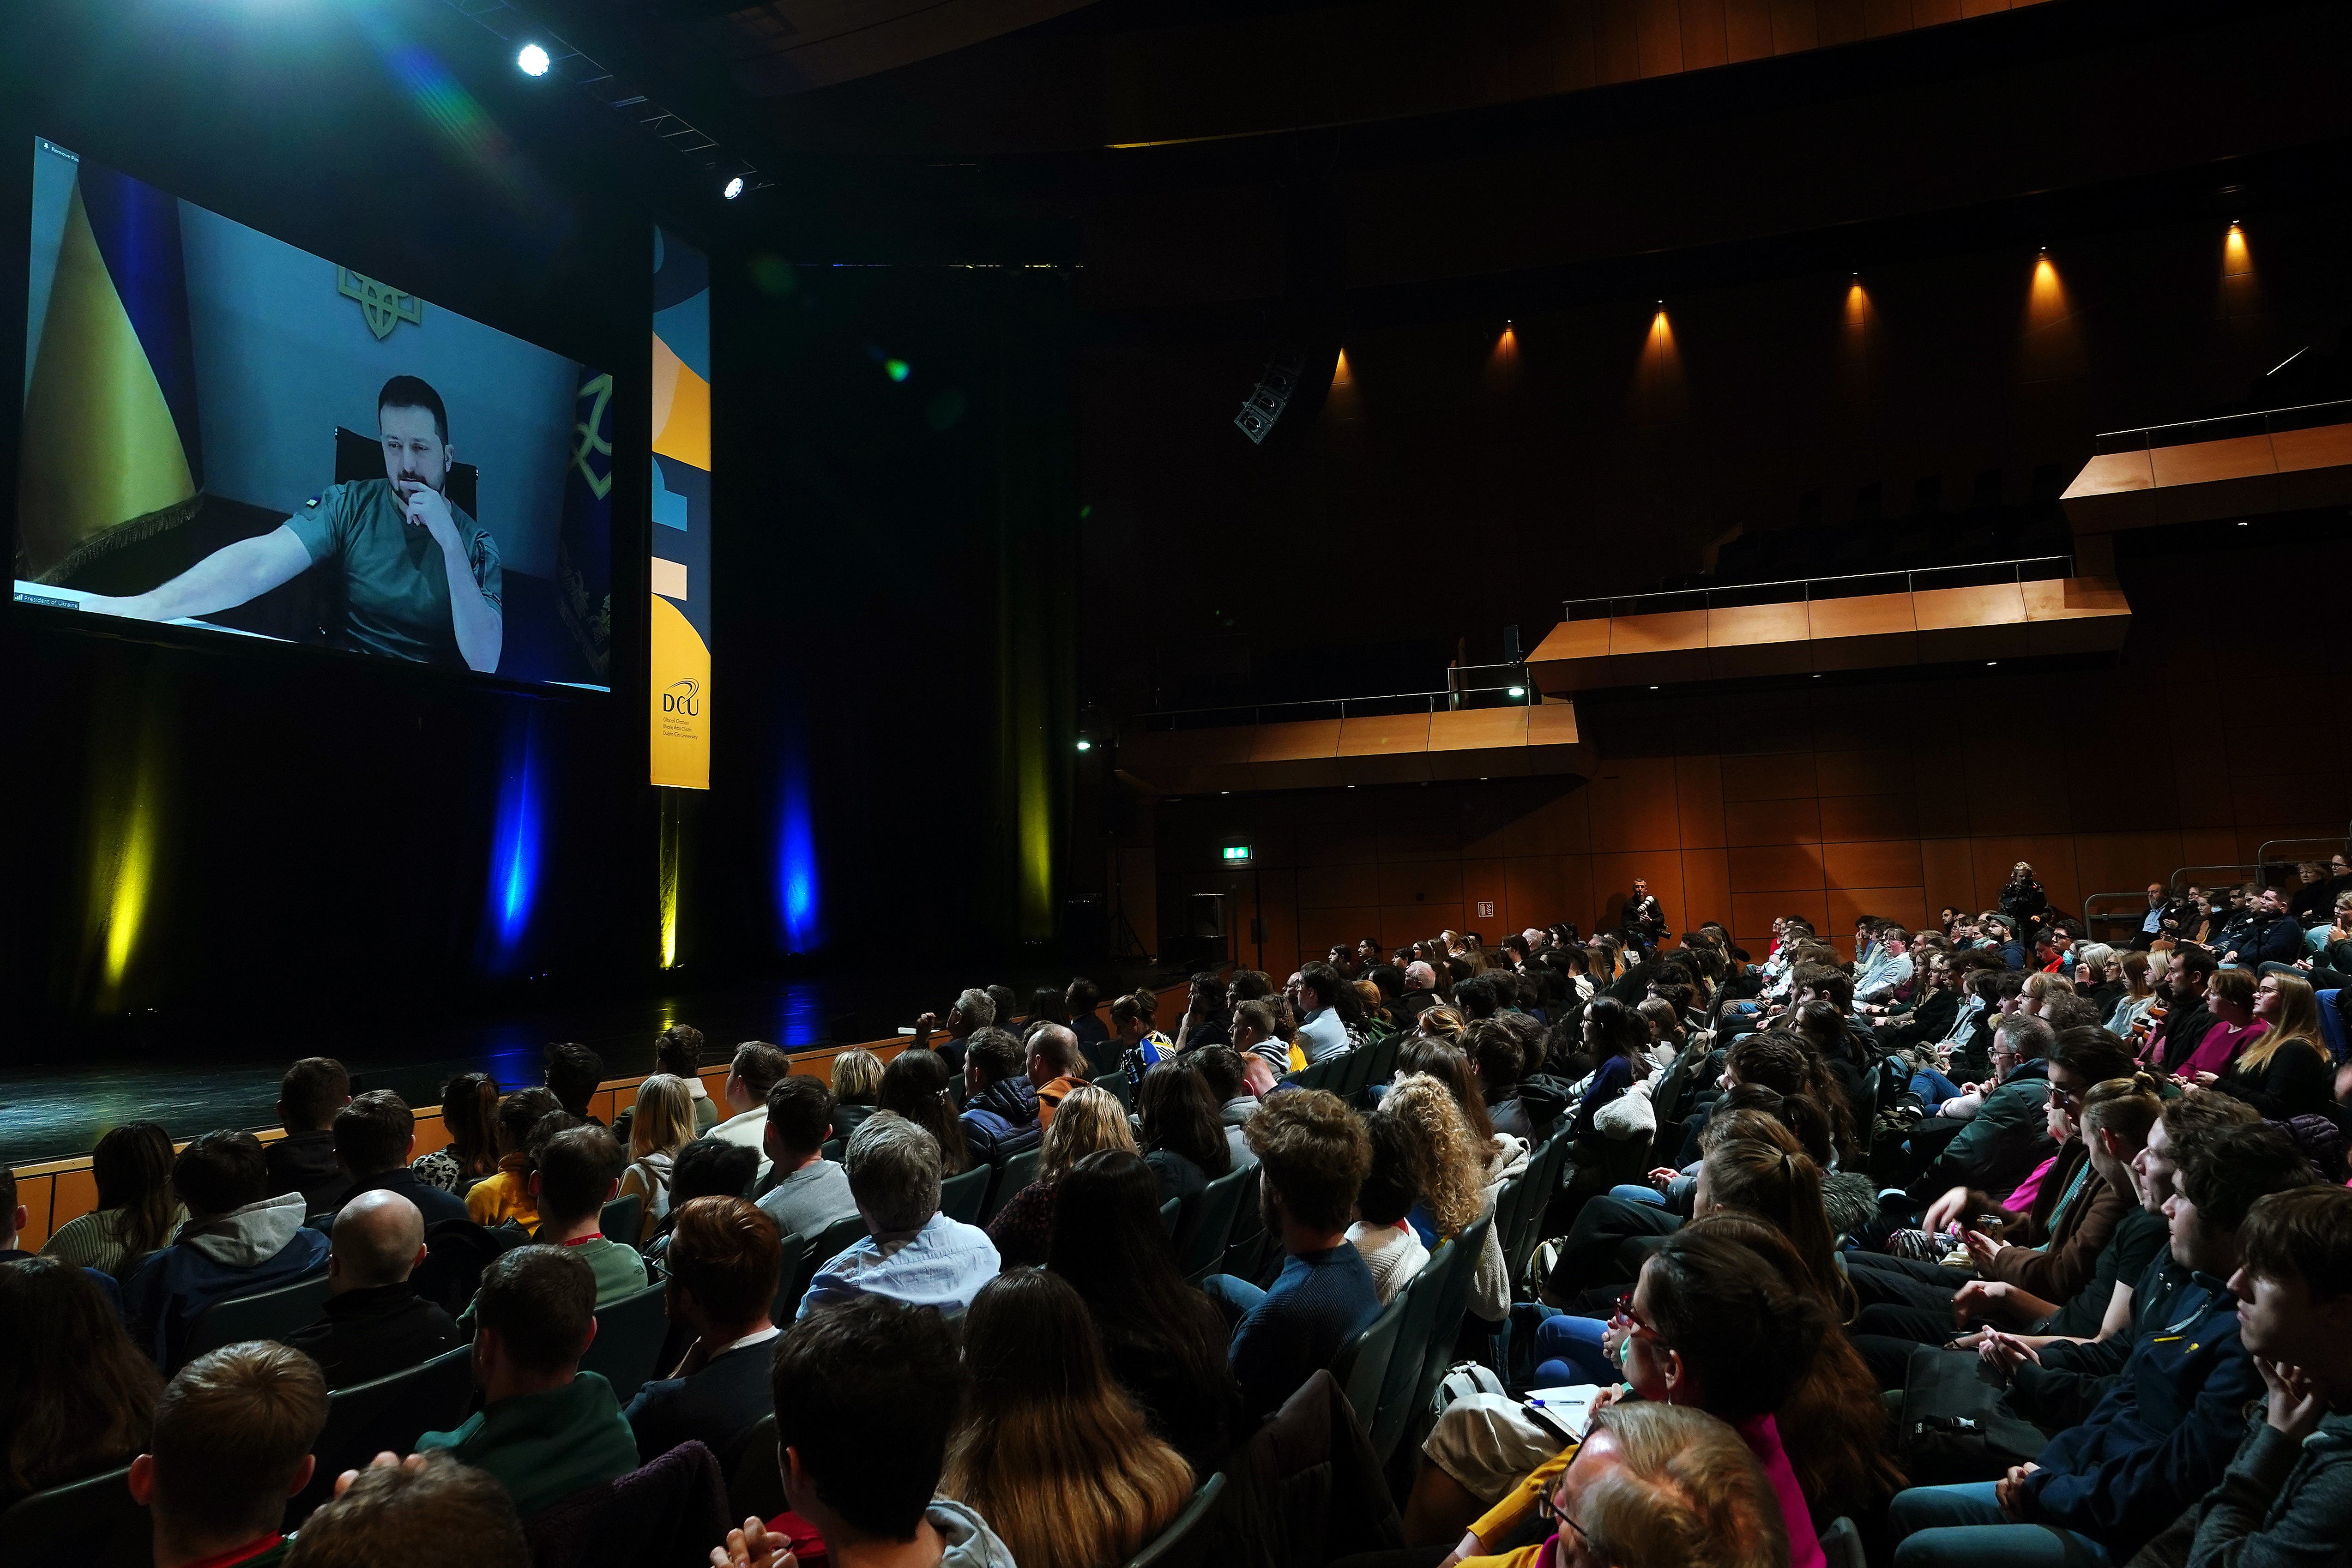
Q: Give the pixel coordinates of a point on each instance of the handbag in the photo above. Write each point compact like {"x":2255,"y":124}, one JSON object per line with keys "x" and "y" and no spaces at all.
{"x":1957,"y":1426}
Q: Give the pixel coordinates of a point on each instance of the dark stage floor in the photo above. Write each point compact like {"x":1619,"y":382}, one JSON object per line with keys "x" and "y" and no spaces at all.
{"x":59,"y":1108}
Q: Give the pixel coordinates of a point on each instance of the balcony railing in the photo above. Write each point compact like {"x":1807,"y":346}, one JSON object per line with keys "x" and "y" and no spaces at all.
{"x":2228,"y":427}
{"x":1849,"y":585}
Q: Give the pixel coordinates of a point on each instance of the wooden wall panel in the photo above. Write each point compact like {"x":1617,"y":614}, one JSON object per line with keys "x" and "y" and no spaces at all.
{"x":1698,"y":801}
{"x":1827,"y":831}
{"x":1486,"y":882}
{"x":1767,"y":868}
{"x":1747,"y":30}
{"x":38,"y":1195}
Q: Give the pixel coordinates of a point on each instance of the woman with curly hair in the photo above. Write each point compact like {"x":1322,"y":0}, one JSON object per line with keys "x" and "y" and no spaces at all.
{"x":1453,"y":1173}
{"x":1462,"y":1175}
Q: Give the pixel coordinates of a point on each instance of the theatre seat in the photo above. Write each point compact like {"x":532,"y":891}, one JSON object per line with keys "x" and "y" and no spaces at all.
{"x":94,"y":1522}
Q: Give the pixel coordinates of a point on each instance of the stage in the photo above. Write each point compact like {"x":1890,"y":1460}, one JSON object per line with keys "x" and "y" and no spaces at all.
{"x":58,"y":1108}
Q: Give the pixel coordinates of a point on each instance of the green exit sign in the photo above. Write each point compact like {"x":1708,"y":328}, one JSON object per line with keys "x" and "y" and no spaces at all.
{"x":1237,"y":854}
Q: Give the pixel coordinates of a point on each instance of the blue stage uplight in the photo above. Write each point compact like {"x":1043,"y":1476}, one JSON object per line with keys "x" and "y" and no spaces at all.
{"x":515,"y":842}
{"x":796,"y":869}
{"x":804,"y":1020}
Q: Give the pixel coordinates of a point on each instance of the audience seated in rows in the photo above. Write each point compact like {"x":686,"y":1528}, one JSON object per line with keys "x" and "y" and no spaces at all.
{"x":137,"y":1211}
{"x":857,"y":1081}
{"x":1381,"y":1235}
{"x":77,"y":1397}
{"x":375,"y":1323}
{"x":1056,"y":1066}
{"x":230,"y":1442}
{"x":239,"y":1241}
{"x":1313,"y":1154}
{"x":546,"y":1428}
{"x":869,"y":1378}
{"x":756,"y":1069}
{"x":918,"y":1085}
{"x":1091,"y":1122}
{"x":469,"y":1115}
{"x":398,"y":1513}
{"x":313,"y":1089}
{"x":1049,"y":1449}
{"x":579,"y":1173}
{"x":506,"y":1194}
{"x":1163,"y":1341}
{"x":1000,"y":1114}
{"x":375,"y":1137}
{"x":724,"y":1257}
{"x":809,"y":1191}
{"x":912,"y":1252}
{"x":1944,"y":1153}
{"x":660,"y":1123}
{"x":2166,"y":1430}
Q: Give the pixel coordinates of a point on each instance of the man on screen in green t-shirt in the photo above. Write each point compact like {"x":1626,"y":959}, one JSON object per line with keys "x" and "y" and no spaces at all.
{"x":420,"y":579}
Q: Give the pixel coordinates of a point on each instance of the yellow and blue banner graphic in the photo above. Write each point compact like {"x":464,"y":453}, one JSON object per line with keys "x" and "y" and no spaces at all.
{"x":679,"y":568}
{"x":111,"y":450}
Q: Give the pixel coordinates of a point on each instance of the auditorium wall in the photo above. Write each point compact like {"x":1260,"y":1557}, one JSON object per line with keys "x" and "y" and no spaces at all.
{"x":1892,"y":797}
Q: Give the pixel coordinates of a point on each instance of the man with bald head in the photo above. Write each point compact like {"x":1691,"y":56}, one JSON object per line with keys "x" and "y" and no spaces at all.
{"x":1057,"y":1064}
{"x":376,"y":1323}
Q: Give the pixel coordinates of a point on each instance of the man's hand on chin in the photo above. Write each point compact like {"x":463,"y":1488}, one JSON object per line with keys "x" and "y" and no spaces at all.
{"x":428,"y":509}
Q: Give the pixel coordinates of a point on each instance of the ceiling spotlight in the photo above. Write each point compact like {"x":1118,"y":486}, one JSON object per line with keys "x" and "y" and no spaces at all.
{"x":1084,"y":745}
{"x":1653,"y":689}
{"x":1991,"y":662}
{"x":532,"y":61}
{"x":733,"y":188}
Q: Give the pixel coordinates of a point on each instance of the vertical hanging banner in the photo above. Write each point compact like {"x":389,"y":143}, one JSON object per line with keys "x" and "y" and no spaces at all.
{"x":679,"y":672}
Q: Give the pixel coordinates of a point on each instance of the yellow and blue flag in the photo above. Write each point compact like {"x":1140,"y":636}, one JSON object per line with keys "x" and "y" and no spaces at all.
{"x":110,"y":452}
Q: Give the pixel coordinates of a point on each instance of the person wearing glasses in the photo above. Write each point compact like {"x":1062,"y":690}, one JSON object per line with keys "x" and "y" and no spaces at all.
{"x":1658,"y":1486}
{"x":1723,"y":1320}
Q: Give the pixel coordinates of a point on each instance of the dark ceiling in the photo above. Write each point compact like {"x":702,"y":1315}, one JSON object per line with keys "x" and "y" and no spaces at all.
{"x":1196,"y":154}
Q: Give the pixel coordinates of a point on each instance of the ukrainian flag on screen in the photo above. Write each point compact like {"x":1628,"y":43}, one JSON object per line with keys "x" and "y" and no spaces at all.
{"x":110,"y":452}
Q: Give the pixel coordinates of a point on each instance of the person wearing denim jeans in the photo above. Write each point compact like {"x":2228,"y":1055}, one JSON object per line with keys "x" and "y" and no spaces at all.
{"x":2165,"y":1434}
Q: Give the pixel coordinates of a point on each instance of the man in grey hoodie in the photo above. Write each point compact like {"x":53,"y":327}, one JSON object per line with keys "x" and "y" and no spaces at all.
{"x":238,"y":1242}
{"x":2286,"y":1498}
{"x":867,"y":1378}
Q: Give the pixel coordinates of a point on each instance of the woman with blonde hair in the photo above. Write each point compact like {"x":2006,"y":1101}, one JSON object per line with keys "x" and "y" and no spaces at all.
{"x":1090,"y":1120}
{"x":662,"y":1125}
{"x":856,"y":1090}
{"x":2137,"y":972}
{"x":2039,"y":986}
{"x":1050,"y":1450}
{"x":2287,"y":1071}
